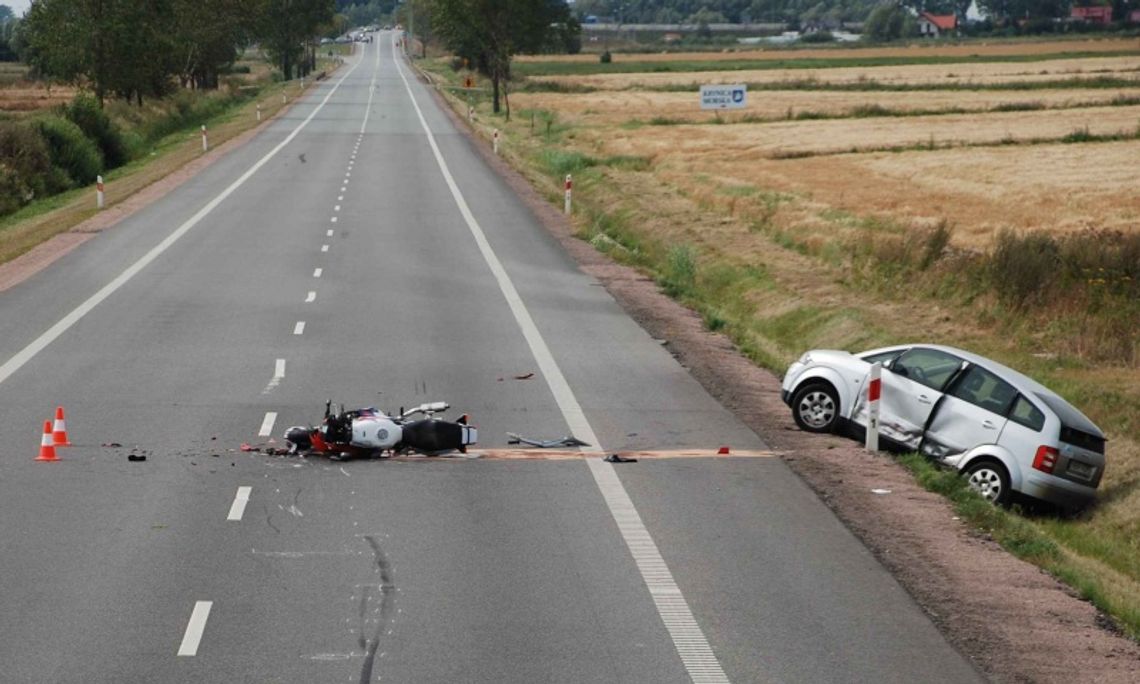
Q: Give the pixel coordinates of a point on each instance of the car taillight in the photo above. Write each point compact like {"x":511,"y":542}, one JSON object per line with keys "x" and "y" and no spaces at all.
{"x":1046,"y":459}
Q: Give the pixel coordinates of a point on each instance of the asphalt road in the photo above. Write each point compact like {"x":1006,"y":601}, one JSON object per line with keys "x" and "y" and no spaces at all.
{"x":330,"y":258}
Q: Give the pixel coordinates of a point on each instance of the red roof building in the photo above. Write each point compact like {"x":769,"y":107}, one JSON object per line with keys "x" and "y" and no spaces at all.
{"x":934,"y":25}
{"x":1093,"y":15}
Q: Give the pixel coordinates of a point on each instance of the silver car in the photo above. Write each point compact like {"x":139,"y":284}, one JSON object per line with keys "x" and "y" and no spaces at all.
{"x":1009,"y":434}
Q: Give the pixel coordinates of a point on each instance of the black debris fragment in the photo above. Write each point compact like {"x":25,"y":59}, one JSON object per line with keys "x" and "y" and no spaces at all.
{"x":136,"y":457}
{"x":112,"y":445}
{"x":616,"y":458}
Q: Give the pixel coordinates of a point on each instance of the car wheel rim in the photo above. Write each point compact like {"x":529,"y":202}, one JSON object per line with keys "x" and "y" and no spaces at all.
{"x":987,"y":483}
{"x":817,"y":409}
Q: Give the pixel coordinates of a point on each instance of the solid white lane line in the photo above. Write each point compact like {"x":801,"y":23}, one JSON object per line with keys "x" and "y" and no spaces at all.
{"x":299,"y":329}
{"x":324,"y":248}
{"x":194,"y":629}
{"x":267,"y":424}
{"x":317,"y":272}
{"x":237,"y":508}
{"x":36,"y":346}
{"x":312,"y":296}
{"x":692,"y":647}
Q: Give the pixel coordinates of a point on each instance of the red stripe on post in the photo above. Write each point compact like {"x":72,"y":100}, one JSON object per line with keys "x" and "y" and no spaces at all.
{"x":875,"y":390}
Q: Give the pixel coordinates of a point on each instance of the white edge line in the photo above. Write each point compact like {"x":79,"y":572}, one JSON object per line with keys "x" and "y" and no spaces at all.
{"x":36,"y":346}
{"x":237,"y":508}
{"x":688,"y":639}
{"x":267,"y":424}
{"x":195,"y":628}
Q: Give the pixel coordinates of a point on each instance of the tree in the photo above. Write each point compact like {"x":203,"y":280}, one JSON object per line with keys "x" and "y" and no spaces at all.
{"x":88,"y":42}
{"x":286,"y":26}
{"x":207,"y":36}
{"x":488,"y":33}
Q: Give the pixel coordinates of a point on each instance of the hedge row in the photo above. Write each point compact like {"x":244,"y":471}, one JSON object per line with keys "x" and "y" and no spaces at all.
{"x":56,"y":152}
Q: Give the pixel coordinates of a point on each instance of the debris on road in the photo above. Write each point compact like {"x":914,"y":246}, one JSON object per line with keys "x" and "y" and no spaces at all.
{"x":880,"y":491}
{"x":136,"y":457}
{"x":524,"y":376}
{"x":112,"y":445}
{"x":568,"y":441}
{"x":617,"y":458}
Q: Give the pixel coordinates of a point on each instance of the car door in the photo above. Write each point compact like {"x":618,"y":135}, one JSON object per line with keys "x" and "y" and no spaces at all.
{"x":973,"y":412}
{"x":912,"y":386}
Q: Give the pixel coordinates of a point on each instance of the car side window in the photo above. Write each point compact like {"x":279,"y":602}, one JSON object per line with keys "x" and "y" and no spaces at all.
{"x":982,"y":388}
{"x":882,"y":357}
{"x":1025,"y":413}
{"x":930,"y":367}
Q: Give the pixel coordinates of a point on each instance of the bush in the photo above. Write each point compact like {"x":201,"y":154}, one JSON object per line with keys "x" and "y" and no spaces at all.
{"x":71,"y":151}
{"x":84,"y":112}
{"x":818,"y":37}
{"x":25,"y":165}
{"x":606,"y":57}
{"x":1024,"y":268}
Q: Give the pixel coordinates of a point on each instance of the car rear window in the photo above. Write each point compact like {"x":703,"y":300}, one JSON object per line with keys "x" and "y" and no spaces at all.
{"x":1025,"y":413}
{"x":1082,"y":439}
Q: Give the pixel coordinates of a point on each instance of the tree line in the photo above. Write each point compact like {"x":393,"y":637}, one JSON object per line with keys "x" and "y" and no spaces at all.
{"x":137,"y":49}
{"x":833,"y":11}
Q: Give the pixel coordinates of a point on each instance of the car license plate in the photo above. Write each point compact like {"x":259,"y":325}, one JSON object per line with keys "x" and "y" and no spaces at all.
{"x":1082,"y":470}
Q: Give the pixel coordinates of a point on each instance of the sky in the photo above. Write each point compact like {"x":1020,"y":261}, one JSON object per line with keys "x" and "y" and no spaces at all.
{"x":18,"y":6}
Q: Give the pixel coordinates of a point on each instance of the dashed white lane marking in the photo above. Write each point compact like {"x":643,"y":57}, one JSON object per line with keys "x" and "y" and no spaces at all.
{"x":340,"y":198}
{"x":278,"y":375}
{"x":333,"y":219}
{"x":692,"y":646}
{"x":267,"y":424}
{"x":317,"y":272}
{"x":37,"y":345}
{"x":324,"y":248}
{"x":299,"y":329}
{"x":194,"y":628}
{"x":237,"y":508}
{"x":311,"y":297}
{"x":348,"y":174}
{"x":342,"y":188}
{"x":329,"y":232}
{"x":336,"y":207}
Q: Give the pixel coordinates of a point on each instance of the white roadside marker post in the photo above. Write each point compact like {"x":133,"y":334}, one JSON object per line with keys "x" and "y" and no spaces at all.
{"x":99,"y":192}
{"x":495,"y":141}
{"x":874,"y":392}
{"x":259,"y":111}
{"x":282,"y":98}
{"x":205,"y":142}
{"x":569,"y":186}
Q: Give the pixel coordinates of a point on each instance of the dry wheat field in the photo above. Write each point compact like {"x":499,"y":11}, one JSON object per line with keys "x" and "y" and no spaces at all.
{"x":1057,"y":158}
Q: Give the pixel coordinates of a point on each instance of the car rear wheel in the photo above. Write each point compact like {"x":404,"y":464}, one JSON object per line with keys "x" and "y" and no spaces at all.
{"x":815,"y":408}
{"x":990,"y":480}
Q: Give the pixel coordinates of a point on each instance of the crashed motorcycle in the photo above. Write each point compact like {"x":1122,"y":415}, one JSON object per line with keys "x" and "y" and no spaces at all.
{"x":370,"y":433}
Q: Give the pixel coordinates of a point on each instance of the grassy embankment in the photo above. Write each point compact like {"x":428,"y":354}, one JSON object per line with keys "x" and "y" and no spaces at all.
{"x":1026,"y":250}
{"x":162,"y":136}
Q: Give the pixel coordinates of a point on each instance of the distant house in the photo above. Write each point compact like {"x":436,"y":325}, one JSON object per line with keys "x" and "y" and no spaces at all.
{"x":1092,"y":15}
{"x":934,"y":25}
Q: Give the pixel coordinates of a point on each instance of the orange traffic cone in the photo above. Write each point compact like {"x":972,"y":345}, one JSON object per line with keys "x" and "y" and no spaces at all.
{"x":59,"y":432}
{"x":47,"y":449}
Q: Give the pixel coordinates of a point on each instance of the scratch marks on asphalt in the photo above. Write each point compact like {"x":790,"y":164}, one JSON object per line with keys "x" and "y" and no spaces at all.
{"x":376,"y":608}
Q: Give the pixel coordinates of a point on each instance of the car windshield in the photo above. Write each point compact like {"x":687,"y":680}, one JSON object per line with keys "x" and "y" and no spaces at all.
{"x":930,"y":367}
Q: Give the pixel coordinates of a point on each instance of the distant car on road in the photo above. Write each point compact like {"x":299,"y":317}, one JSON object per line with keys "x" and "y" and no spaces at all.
{"x":1007,"y":433}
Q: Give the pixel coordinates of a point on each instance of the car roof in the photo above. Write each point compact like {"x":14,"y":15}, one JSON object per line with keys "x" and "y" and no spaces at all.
{"x":1069,"y":414}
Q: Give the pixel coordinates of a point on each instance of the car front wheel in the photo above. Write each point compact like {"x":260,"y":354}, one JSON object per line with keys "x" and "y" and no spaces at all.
{"x":815,"y":408}
{"x":990,"y":480}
